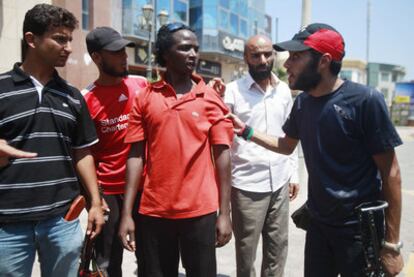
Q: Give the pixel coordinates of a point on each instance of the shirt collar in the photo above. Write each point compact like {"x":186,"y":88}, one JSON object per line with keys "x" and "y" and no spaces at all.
{"x":196,"y":78}
{"x":18,"y":75}
{"x":274,"y":80}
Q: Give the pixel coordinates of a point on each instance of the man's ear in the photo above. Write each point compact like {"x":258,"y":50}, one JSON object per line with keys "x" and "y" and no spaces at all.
{"x":325,"y":61}
{"x":29,"y":37}
{"x":96,"y":58}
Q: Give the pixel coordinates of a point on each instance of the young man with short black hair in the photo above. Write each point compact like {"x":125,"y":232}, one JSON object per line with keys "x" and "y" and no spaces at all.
{"x":40,"y":112}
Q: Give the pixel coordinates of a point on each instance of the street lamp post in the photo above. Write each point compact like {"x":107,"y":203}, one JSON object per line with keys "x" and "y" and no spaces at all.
{"x":149,"y":23}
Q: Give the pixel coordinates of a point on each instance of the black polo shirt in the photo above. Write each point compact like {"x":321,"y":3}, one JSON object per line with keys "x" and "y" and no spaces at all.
{"x":38,"y":188}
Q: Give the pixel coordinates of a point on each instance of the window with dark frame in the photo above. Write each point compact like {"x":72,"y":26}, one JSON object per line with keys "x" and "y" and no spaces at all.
{"x":85,"y":15}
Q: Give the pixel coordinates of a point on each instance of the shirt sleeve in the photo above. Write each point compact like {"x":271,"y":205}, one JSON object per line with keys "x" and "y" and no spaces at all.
{"x":379,"y":132}
{"x":221,"y":131}
{"x":290,"y":126}
{"x":293,"y":158}
{"x":136,"y":130}
{"x":85,"y":134}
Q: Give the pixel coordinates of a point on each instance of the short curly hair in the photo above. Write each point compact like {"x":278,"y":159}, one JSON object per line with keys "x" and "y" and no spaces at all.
{"x":42,"y":17}
{"x":165,"y":39}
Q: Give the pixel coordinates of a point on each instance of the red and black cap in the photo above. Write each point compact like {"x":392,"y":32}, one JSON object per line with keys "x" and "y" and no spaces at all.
{"x":105,"y":38}
{"x":318,"y":36}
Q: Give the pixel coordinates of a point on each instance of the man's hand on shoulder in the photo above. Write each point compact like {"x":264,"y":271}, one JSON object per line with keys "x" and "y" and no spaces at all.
{"x":223,"y":230}
{"x":238,"y":125}
{"x":218,"y":85}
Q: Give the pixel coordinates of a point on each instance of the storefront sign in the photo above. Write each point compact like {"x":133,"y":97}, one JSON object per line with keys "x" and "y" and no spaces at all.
{"x":232,"y":44}
{"x":402,"y":99}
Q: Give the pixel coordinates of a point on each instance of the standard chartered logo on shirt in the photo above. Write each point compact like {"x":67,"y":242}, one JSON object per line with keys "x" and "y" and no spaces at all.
{"x":114,"y":124}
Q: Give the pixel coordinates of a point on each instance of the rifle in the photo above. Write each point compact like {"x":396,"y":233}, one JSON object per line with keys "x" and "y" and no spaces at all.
{"x":371,"y":223}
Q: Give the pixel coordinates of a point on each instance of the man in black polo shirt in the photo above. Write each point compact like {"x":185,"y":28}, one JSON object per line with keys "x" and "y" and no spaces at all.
{"x":41,"y":113}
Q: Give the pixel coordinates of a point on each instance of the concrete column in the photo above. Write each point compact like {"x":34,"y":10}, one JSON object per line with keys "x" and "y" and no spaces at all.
{"x":306,"y":12}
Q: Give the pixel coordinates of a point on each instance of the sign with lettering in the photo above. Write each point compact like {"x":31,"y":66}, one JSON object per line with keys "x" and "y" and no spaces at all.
{"x":232,"y":43}
{"x":402,"y":99}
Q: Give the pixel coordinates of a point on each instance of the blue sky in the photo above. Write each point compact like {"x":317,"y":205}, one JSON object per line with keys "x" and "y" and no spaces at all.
{"x":391,"y":31}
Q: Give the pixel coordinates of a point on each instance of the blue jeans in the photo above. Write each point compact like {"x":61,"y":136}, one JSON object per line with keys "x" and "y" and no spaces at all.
{"x":57,"y":241}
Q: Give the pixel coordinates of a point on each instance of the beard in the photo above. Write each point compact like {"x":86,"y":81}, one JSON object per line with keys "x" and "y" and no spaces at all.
{"x":260,"y":72}
{"x":309,"y":78}
{"x":111,"y":71}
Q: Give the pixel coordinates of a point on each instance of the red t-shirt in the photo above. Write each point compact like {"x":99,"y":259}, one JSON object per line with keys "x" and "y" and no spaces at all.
{"x":181,"y":180}
{"x":109,"y":107}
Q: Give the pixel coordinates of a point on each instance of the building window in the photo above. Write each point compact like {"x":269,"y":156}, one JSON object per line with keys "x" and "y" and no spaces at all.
{"x":196,"y":17}
{"x":225,"y":3}
{"x":234,"y":6}
{"x":385,"y":76}
{"x":256,"y":21}
{"x":210,"y":14}
{"x":243,"y":28}
{"x":180,"y":11}
{"x":243,"y":9}
{"x":223,"y":20}
{"x":234,"y":24}
{"x":85,"y":15}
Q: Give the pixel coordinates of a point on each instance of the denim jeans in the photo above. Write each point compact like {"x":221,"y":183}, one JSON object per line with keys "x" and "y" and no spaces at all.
{"x":57,"y":242}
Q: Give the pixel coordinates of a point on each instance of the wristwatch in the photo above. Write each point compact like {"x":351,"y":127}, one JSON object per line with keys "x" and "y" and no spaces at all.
{"x":396,"y":247}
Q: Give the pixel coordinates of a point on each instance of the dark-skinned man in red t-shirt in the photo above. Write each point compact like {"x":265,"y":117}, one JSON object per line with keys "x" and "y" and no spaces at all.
{"x":185,"y":208}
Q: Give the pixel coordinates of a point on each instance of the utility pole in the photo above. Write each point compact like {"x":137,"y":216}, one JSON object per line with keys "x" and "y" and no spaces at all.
{"x":306,"y":12}
{"x":277,"y":29}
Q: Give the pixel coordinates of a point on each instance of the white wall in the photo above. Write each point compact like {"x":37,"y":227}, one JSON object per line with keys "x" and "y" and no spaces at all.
{"x":12,"y":15}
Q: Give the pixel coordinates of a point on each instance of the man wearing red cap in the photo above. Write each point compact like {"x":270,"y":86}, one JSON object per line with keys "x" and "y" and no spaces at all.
{"x":348,"y":142}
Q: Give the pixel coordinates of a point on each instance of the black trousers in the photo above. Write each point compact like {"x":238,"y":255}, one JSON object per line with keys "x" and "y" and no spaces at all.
{"x":165,"y":239}
{"x":331,"y":250}
{"x":109,"y":249}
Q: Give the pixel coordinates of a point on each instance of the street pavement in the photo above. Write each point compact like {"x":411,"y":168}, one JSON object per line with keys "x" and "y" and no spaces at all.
{"x":294,"y":268}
